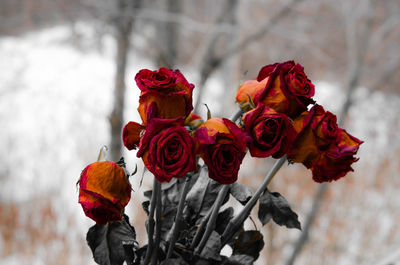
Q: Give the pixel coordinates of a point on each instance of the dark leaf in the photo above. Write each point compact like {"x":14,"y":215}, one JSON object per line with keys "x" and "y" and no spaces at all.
{"x":107,"y":242}
{"x":203,"y":193}
{"x":249,"y":243}
{"x":212,"y":248}
{"x":275,"y":206}
{"x":239,"y":260}
{"x":196,"y":195}
{"x":177,"y":261}
{"x":241,"y":192}
{"x":223,"y":219}
{"x":146,"y":205}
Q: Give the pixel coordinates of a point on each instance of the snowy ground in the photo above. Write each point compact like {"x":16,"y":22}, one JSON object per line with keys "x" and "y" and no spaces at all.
{"x":54,"y":102}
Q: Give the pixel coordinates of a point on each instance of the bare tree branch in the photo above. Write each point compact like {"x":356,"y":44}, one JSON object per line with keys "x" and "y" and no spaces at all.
{"x":212,"y":62}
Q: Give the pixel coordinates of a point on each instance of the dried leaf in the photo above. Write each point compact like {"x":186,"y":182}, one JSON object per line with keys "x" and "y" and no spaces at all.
{"x":274,"y":205}
{"x":249,"y":243}
{"x":241,"y":192}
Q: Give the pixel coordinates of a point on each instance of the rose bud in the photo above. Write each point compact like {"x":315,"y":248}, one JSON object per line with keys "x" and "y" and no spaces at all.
{"x":281,"y":86}
{"x":104,"y":191}
{"x":167,"y":90}
{"x":222,"y":146}
{"x":268,"y":133}
{"x":131,"y":135}
{"x":167,"y":149}
{"x":193,"y":121}
{"x":322,"y":146}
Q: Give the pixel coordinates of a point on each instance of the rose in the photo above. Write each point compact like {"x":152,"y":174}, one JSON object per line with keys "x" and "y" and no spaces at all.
{"x":322,"y":146}
{"x":167,"y":149}
{"x":222,"y":146}
{"x":165,"y":94}
{"x":268,"y":132}
{"x":281,"y":86}
{"x":328,"y":167}
{"x":317,"y":131}
{"x":131,"y":134}
{"x":104,"y":191}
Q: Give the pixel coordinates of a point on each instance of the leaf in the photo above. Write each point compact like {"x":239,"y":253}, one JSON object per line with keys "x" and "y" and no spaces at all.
{"x":241,"y":192}
{"x":109,"y":242}
{"x":196,"y":195}
{"x":212,"y":248}
{"x":249,"y":243}
{"x":223,"y":219}
{"x":239,"y":260}
{"x":146,"y":205}
{"x":177,"y":261}
{"x":203,"y":193}
{"x":274,"y":205}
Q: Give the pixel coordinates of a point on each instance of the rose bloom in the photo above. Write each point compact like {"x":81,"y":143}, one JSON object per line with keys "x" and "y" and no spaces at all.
{"x":165,"y":94}
{"x":281,"y":86}
{"x":222,"y":146}
{"x":268,"y":133}
{"x":322,"y":146}
{"x":167,"y":149}
{"x":104,"y":191}
{"x":131,"y":134}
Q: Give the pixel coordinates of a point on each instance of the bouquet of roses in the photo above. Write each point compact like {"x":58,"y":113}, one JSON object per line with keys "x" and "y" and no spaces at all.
{"x":185,"y":224}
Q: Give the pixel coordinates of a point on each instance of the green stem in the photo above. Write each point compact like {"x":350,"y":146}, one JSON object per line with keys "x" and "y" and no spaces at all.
{"x":238,"y":220}
{"x":178,"y":217}
{"x":213,"y":218}
{"x":150,"y":223}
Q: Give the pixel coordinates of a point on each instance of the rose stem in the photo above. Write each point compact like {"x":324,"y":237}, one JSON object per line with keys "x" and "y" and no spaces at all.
{"x":178,"y":217}
{"x":201,"y":228}
{"x":214,"y":209}
{"x":154,"y":257}
{"x":213,"y":218}
{"x":238,"y":220}
{"x":237,"y":115}
{"x":150,"y":222}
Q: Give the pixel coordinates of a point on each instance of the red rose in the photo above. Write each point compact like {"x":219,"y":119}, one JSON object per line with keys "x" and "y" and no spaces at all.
{"x":222,"y":146}
{"x":193,"y":121}
{"x":104,"y":191}
{"x":281,"y":86}
{"x":268,"y":132}
{"x":131,"y":134}
{"x":165,"y":93}
{"x":322,"y":146}
{"x":167,"y":149}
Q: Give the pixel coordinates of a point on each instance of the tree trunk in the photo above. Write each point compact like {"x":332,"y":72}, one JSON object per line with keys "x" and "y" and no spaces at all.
{"x":123,"y":29}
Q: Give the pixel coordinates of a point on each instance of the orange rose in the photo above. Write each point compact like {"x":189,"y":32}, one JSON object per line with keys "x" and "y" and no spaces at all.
{"x":222,"y":145}
{"x":322,"y":146}
{"x":104,"y":191}
{"x":283,"y":87}
{"x":165,"y":94}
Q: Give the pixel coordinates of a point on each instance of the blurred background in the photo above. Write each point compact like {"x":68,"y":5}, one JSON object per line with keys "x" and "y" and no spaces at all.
{"x":67,"y":87}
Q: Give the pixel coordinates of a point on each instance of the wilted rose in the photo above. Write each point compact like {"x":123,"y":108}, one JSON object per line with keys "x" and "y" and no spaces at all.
{"x":104,"y":191}
{"x":222,"y":146}
{"x":165,"y":93}
{"x":131,"y":134}
{"x":281,"y":86}
{"x":322,"y":146}
{"x":268,"y":133}
{"x":167,"y":149}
